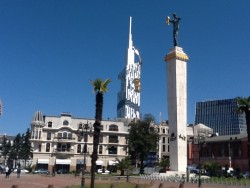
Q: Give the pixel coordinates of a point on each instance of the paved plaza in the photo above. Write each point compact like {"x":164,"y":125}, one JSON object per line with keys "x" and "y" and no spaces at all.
{"x":62,"y":181}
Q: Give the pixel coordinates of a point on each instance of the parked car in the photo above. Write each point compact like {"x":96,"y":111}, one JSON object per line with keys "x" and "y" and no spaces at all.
{"x":2,"y":169}
{"x":62,"y":171}
{"x":194,"y":171}
{"x":246,"y":174}
{"x":100,"y":171}
{"x":23,"y":171}
{"x":41,"y":171}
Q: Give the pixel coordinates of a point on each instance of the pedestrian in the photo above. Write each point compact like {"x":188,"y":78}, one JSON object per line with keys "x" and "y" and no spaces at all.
{"x":18,"y":172}
{"x":53,"y":171}
{"x":7,"y":172}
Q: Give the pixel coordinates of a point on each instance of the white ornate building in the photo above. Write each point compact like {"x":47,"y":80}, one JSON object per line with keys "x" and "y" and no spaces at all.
{"x":128,"y":104}
{"x":58,"y":141}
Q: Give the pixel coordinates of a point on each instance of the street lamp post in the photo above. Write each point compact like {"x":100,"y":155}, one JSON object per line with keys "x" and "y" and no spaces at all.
{"x":201,"y":141}
{"x":83,"y":133}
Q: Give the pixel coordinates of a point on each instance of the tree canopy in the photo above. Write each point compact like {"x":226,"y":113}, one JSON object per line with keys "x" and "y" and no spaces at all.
{"x":143,"y":139}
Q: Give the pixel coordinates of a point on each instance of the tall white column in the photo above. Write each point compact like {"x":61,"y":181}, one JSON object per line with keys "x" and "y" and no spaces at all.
{"x":176,"y":61}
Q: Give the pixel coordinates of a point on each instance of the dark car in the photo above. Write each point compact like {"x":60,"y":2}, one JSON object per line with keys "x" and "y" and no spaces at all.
{"x":41,"y":171}
{"x":62,"y":171}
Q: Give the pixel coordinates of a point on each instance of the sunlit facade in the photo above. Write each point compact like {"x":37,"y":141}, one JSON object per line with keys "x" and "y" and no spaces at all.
{"x":57,"y":143}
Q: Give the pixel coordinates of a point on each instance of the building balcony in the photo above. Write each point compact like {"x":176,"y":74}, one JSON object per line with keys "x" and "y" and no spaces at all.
{"x":61,"y":139}
{"x":65,"y":151}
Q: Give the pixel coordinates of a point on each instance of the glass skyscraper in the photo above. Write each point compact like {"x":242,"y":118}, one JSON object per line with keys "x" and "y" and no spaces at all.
{"x":221,"y":116}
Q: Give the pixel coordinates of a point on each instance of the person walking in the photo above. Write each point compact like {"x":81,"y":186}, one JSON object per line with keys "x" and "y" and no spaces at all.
{"x":7,"y":172}
{"x":18,"y":172}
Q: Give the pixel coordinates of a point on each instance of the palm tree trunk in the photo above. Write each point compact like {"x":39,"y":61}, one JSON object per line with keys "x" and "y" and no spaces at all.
{"x":97,"y":125}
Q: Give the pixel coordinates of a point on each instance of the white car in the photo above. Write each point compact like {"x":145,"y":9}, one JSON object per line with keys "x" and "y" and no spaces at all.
{"x":100,"y":171}
{"x":23,"y":171}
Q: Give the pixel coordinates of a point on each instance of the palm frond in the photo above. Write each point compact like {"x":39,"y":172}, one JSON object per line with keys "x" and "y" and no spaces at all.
{"x":99,"y":85}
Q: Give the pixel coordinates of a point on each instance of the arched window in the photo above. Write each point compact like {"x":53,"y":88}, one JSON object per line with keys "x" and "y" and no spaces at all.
{"x":65,"y":123}
{"x":112,"y":150}
{"x":69,"y":135}
{"x":113,"y":128}
{"x":65,"y":135}
{"x":59,"y":135}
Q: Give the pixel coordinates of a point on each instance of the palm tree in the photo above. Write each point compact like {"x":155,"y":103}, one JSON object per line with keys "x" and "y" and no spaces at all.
{"x":122,"y":165}
{"x":244,"y":107}
{"x":100,"y":87}
{"x":164,"y":164}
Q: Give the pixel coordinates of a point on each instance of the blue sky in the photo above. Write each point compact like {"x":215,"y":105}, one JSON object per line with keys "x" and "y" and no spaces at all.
{"x":51,"y":49}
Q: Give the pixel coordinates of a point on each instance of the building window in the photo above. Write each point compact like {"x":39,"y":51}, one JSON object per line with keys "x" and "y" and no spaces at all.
{"x":79,"y":148}
{"x":36,"y":134}
{"x":79,"y":138}
{"x":47,"y":147}
{"x":49,"y":124}
{"x":59,"y":135}
{"x":101,"y":127}
{"x":65,"y":123}
{"x":113,"y":128}
{"x":163,"y":148}
{"x":80,"y":126}
{"x":100,"y":149}
{"x":101,"y":139}
{"x":39,"y":147}
{"x":48,"y":135}
{"x":68,"y":147}
{"x":163,"y":130}
{"x":65,"y":135}
{"x":113,"y":139}
{"x":163,"y":140}
{"x":85,"y":138}
{"x":69,"y":135}
{"x":112,"y":150}
{"x":62,"y":147}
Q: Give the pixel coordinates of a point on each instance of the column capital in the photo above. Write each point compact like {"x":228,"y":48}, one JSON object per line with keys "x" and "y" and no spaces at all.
{"x":177,"y":53}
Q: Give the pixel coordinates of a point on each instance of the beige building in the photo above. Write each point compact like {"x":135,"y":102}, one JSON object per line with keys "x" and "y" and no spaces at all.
{"x":163,"y":144}
{"x":58,"y":141}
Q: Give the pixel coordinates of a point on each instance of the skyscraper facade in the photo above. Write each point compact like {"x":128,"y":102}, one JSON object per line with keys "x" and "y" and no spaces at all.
{"x":221,"y":116}
{"x":128,"y":104}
